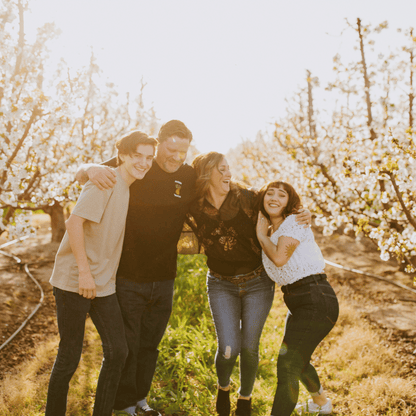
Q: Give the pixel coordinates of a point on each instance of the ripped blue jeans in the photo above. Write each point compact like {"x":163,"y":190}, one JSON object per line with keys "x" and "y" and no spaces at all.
{"x":239,"y":313}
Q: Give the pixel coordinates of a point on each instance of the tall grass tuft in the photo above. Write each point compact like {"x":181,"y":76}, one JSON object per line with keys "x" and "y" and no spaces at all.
{"x":186,"y":360}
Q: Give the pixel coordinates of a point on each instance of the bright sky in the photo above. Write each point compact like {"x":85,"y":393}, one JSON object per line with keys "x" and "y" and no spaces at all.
{"x":224,"y":67}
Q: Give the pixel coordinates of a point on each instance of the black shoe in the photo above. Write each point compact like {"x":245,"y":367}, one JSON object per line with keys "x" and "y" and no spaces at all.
{"x":243,"y":407}
{"x":223,"y":402}
{"x":146,"y":410}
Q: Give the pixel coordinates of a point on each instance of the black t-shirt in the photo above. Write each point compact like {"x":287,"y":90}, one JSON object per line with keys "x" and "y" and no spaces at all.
{"x":157,"y":210}
{"x":228,"y":235}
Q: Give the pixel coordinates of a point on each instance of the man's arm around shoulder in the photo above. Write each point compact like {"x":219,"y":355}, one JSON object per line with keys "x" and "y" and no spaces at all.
{"x":103,"y":177}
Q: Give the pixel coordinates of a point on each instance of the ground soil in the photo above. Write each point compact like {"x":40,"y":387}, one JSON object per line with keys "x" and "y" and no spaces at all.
{"x":391,"y":310}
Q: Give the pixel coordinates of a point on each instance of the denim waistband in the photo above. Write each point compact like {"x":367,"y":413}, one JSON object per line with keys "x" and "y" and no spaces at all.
{"x":308,"y":279}
{"x":239,"y":278}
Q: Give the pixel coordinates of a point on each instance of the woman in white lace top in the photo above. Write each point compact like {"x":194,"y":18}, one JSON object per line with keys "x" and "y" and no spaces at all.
{"x":294,"y":261}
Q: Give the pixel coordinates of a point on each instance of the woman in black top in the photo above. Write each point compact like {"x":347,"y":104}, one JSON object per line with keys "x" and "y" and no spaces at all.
{"x":240,"y":292}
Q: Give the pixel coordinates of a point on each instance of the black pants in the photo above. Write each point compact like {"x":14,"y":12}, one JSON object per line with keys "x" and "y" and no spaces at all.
{"x":313,"y":311}
{"x":72,"y":311}
{"x":146,"y":308}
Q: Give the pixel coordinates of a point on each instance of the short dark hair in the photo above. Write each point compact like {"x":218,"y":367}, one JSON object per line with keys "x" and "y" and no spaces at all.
{"x":293,"y":204}
{"x":174,"y":128}
{"x":128,"y":144}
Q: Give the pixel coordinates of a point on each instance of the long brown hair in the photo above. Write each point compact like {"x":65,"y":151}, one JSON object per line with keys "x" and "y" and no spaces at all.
{"x":294,"y":203}
{"x":204,"y":164}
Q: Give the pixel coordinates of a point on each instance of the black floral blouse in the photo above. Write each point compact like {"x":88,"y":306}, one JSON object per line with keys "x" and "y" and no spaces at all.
{"x":228,"y":235}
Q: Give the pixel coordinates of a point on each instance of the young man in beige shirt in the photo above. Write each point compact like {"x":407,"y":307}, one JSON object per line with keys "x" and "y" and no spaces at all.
{"x":84,"y":274}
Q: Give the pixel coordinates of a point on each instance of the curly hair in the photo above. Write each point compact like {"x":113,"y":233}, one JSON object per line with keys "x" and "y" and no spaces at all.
{"x":294,"y":203}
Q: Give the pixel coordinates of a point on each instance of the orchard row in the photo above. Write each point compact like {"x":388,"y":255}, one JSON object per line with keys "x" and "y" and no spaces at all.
{"x":355,"y":163}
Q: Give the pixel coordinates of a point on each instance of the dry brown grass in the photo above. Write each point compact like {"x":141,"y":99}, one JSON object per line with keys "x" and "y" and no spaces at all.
{"x":24,"y":392}
{"x":19,"y":391}
{"x":384,"y":395}
{"x":360,"y":372}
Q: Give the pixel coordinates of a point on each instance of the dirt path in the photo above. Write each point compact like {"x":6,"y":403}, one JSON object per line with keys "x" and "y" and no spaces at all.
{"x":19,"y":296}
{"x":391,"y":309}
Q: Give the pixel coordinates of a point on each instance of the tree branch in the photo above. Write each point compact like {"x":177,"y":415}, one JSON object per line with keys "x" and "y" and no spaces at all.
{"x":399,"y":196}
{"x":35,"y":113}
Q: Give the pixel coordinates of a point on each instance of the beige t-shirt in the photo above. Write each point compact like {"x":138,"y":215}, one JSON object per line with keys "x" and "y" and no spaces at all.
{"x":105,"y":212}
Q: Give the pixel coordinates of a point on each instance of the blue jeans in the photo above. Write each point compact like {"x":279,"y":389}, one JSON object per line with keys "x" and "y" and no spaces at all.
{"x":72,"y":310}
{"x":239,"y":313}
{"x":146,"y":308}
{"x":313,"y":312}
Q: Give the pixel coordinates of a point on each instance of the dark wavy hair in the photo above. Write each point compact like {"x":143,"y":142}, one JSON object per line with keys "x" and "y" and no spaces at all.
{"x":204,"y":164}
{"x":128,"y":144}
{"x":294,"y":203}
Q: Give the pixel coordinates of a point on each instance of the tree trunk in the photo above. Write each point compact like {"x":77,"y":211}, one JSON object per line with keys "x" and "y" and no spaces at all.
{"x":373,"y":134}
{"x":56,"y":212}
{"x":312,"y":127}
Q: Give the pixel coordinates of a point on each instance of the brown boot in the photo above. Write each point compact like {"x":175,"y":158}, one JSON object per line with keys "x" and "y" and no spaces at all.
{"x":243,"y":407}
{"x":223,"y":402}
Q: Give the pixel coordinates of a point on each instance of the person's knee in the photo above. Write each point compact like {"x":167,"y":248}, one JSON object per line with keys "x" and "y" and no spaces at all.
{"x":290,"y":363}
{"x":66,"y":364}
{"x":251,"y":353}
{"x":122,"y":353}
{"x":116,"y":355}
{"x":229,"y":352}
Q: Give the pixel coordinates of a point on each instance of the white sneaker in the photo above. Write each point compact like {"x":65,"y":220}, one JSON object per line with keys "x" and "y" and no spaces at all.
{"x":311,"y":407}
{"x":146,"y":410}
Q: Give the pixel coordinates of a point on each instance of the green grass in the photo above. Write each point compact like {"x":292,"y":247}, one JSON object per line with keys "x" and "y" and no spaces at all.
{"x":355,"y":368}
{"x":184,"y":376}
{"x":185,"y":380}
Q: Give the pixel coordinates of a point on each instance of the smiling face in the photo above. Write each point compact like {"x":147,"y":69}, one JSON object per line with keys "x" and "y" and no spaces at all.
{"x":138,"y":163}
{"x":220,"y":179}
{"x":275,"y":201}
{"x":171,"y":153}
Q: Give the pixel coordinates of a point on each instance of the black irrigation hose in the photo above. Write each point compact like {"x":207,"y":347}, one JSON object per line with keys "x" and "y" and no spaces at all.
{"x":26,"y":268}
{"x":374,"y":276}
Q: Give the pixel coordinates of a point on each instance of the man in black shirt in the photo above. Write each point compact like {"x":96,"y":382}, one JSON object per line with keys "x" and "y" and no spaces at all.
{"x":157,"y":209}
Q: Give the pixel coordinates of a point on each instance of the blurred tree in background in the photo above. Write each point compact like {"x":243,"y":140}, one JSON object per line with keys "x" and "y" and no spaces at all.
{"x":355,"y":163}
{"x":48,"y":127}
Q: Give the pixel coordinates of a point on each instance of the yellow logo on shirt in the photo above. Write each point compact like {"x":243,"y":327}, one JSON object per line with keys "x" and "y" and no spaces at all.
{"x":178,"y":186}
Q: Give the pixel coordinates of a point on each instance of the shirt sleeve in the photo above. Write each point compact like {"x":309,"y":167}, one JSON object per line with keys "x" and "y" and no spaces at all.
{"x":92,"y":202}
{"x":111,"y":162}
{"x":291,"y":228}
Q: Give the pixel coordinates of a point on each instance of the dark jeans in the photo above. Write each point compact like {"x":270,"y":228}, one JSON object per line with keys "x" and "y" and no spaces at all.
{"x":72,"y":310}
{"x":313,"y":311}
{"x":146,"y":308}
{"x":239,"y":313}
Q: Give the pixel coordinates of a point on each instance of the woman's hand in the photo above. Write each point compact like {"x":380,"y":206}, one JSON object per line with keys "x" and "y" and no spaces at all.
{"x":262,"y":225}
{"x":304,"y":218}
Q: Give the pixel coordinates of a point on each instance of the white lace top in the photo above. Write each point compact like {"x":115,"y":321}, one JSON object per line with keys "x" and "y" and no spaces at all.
{"x":307,"y":259}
